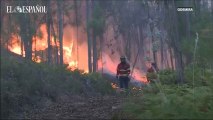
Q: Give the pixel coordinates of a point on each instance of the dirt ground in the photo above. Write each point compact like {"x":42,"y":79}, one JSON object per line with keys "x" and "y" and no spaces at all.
{"x":79,"y":107}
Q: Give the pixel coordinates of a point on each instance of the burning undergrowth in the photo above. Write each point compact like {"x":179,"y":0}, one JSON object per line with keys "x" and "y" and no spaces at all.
{"x":40,"y":46}
{"x":75,"y":52}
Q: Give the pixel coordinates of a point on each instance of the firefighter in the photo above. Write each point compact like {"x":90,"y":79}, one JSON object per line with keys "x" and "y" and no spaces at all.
{"x":123,"y":71}
{"x":152,"y":72}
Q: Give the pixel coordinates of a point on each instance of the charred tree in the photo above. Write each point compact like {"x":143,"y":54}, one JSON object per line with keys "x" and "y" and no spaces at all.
{"x":76,"y":22}
{"x":9,"y":31}
{"x":22,"y":48}
{"x":101,"y":52}
{"x":49,"y":54}
{"x":94,"y":51}
{"x":26,"y":35}
{"x":35,"y":51}
{"x":88,"y":36}
{"x":56,"y":45}
{"x":60,"y":24}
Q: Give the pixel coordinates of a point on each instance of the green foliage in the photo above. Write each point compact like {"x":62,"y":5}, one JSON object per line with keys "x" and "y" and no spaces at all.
{"x":187,"y":46}
{"x":152,"y":76}
{"x":27,"y":83}
{"x":202,"y":76}
{"x":167,"y":76}
{"x":100,"y":84}
{"x":155,"y":46}
{"x":201,"y":24}
{"x":98,"y":21}
{"x":173,"y":102}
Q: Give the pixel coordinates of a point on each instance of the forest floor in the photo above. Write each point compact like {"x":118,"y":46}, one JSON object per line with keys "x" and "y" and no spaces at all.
{"x":79,"y":107}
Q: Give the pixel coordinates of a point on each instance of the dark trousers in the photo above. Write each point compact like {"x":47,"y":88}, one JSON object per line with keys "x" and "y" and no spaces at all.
{"x":124,"y":82}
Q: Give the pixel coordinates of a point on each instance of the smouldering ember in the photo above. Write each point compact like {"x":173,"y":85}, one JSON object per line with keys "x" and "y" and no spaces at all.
{"x":115,"y":86}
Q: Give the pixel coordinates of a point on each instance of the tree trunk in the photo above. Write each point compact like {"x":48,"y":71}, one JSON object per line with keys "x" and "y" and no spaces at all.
{"x":139,"y":49}
{"x":197,"y":7}
{"x":128,"y":45}
{"x":151,"y":26}
{"x":212,"y":8}
{"x":9,"y":31}
{"x":35,"y":47}
{"x":28,"y":47}
{"x":76,"y":21}
{"x":49,"y":49}
{"x":142,"y":51}
{"x":188,"y":34}
{"x":162,"y":53}
{"x":60,"y":18}
{"x":88,"y":36}
{"x":26,"y":35}
{"x":22,"y":49}
{"x":173,"y":33}
{"x":177,"y":51}
{"x":171,"y":58}
{"x":212,"y":11}
{"x":167,"y":59}
{"x":94,"y":52}
{"x":101,"y":51}
{"x":153,"y":41}
{"x":56,"y":46}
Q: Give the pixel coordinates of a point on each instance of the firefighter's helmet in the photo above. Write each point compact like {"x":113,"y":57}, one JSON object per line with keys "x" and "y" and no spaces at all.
{"x":122,"y":57}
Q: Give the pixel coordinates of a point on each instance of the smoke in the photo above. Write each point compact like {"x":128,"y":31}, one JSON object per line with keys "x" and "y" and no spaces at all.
{"x":109,"y":65}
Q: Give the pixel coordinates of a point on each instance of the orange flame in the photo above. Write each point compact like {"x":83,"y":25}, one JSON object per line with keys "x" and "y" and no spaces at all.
{"x":70,"y":54}
{"x":15,"y":45}
{"x":110,"y":65}
{"x":40,"y":44}
{"x":114,"y":86}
